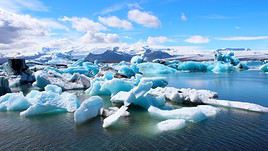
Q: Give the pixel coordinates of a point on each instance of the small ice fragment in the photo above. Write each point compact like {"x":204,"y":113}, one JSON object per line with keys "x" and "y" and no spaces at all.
{"x":192,"y":114}
{"x":172,"y":124}
{"x":114,"y":117}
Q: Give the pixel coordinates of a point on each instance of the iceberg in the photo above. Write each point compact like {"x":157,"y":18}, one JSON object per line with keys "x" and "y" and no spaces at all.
{"x":191,"y":96}
{"x":150,"y":68}
{"x":136,"y":60}
{"x":13,"y":102}
{"x":48,"y":102}
{"x":139,"y":96}
{"x":4,"y":86}
{"x":123,"y":97}
{"x":237,"y":105}
{"x":157,"y":81}
{"x":109,"y":87}
{"x":112,"y":119}
{"x":264,"y":67}
{"x":53,"y":88}
{"x":220,"y":67}
{"x":65,"y":81}
{"x":192,"y":114}
{"x":112,"y":110}
{"x":172,"y":124}
{"x":193,"y":66}
{"x":126,"y":71}
{"x":89,"y":109}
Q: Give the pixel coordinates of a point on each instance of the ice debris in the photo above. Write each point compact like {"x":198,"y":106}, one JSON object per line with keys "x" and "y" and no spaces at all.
{"x":183,"y":95}
{"x":150,"y":68}
{"x":13,"y":102}
{"x":237,"y":105}
{"x":264,"y":67}
{"x":65,"y":81}
{"x":139,"y":96}
{"x":112,"y":119}
{"x":89,"y":108}
{"x":192,"y":114}
{"x":172,"y":124}
{"x":50,"y":102}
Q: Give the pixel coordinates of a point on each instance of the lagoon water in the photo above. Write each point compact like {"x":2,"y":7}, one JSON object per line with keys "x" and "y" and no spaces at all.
{"x":230,"y":130}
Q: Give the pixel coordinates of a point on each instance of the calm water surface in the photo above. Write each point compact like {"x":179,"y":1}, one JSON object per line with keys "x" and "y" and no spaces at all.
{"x":229,"y":130}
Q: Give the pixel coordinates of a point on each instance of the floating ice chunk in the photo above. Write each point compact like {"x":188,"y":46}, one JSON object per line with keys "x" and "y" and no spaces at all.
{"x":41,"y":79}
{"x":39,"y":109}
{"x":126,"y":71}
{"x":109,"y":75}
{"x":141,"y":89}
{"x":65,"y":81}
{"x":116,"y":85}
{"x":112,"y":110}
{"x":221,"y":67}
{"x":90,"y":108}
{"x":50,"y":102}
{"x":112,"y":119}
{"x":4,"y":86}
{"x":71,"y":101}
{"x":123,"y":97}
{"x":238,"y":105}
{"x":208,"y":110}
{"x":53,"y":88}
{"x":172,"y":124}
{"x":170,"y":93}
{"x":193,"y":66}
{"x":264,"y":67}
{"x":92,"y":68}
{"x":136,"y":59}
{"x":154,"y":68}
{"x":150,"y":100}
{"x":96,"y":88}
{"x":13,"y":102}
{"x":184,"y":95}
{"x":157,"y":81}
{"x":192,"y":114}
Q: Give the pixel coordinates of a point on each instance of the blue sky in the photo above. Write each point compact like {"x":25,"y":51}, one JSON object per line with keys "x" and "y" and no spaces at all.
{"x":206,"y":24}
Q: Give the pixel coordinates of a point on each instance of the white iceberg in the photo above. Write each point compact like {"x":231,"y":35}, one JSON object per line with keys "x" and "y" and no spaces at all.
{"x":237,"y":105}
{"x":172,"y":124}
{"x":123,"y":97}
{"x":192,"y":114}
{"x":90,"y":108}
{"x":112,"y":119}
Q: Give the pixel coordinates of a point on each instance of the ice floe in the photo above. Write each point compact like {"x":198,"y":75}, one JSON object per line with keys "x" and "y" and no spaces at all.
{"x":172,"y":124}
{"x":50,"y":102}
{"x":89,"y":108}
{"x":112,"y":119}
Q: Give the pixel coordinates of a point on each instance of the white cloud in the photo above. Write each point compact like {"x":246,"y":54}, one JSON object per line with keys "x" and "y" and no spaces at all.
{"x":156,"y":40}
{"x":144,"y":18}
{"x":114,"y":21}
{"x":84,"y":24}
{"x":91,"y":37}
{"x":243,"y":38}
{"x":14,"y":27}
{"x":20,"y":5}
{"x":24,"y":33}
{"x":197,"y":39}
{"x":183,"y":17}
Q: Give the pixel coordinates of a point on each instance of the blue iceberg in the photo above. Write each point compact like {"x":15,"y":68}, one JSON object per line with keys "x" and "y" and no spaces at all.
{"x":89,"y":109}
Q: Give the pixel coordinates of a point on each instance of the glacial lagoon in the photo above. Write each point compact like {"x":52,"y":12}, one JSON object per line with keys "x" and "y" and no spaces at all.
{"x":230,"y":129}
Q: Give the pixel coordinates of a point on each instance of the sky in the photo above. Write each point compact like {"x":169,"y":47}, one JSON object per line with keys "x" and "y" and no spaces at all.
{"x":184,"y":24}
